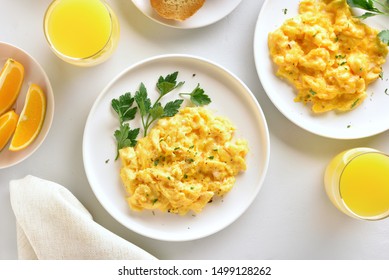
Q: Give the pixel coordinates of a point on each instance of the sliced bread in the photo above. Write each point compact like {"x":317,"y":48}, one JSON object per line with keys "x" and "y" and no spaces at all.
{"x":176,"y":9}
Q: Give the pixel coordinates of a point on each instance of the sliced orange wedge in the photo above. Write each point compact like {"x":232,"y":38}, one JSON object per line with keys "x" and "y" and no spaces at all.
{"x":8,"y":123}
{"x":11,"y":79}
{"x":31,"y":119}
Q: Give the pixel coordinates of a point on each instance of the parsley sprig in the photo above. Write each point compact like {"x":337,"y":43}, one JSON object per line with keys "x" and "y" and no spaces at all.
{"x":126,"y":107}
{"x":150,"y":113}
{"x":198,"y":97}
{"x":371,"y":8}
{"x":125,"y":136}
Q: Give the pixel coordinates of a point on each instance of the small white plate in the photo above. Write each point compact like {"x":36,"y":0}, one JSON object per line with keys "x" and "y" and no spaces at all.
{"x":211,"y":12}
{"x":230,"y":97}
{"x":368,"y":119}
{"x":34,"y":73}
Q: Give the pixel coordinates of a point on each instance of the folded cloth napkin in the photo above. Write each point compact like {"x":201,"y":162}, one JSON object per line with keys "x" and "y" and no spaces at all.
{"x":53,"y":225}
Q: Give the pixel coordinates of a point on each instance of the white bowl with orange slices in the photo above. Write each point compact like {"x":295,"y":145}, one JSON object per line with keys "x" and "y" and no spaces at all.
{"x":26,"y":105}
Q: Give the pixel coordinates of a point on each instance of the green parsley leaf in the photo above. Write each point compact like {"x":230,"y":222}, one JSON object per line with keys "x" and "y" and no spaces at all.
{"x":171,"y":108}
{"x":198,"y":97}
{"x":384,"y":36}
{"x":125,"y":137}
{"x":366,"y":15}
{"x":156,"y":111}
{"x":167,"y":84}
{"x":142,"y":100}
{"x":367,"y":5}
{"x":123,"y":107}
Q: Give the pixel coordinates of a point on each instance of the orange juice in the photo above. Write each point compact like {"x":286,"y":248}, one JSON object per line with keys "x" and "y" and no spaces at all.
{"x":81,"y":30}
{"x":357,"y":182}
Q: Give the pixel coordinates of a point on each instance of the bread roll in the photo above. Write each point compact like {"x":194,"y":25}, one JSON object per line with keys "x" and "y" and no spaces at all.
{"x":176,"y":9}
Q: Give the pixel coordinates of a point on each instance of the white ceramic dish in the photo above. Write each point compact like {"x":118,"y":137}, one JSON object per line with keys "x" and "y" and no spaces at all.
{"x":211,"y":12}
{"x":34,"y":73}
{"x":370,"y":118}
{"x":230,"y":97}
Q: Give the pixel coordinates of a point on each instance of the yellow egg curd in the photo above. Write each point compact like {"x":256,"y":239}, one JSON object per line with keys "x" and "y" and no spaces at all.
{"x":329,"y":55}
{"x":183,"y":162}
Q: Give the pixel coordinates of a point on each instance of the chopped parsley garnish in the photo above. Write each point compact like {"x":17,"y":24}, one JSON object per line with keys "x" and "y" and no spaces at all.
{"x":355,"y":103}
{"x":341,"y":56}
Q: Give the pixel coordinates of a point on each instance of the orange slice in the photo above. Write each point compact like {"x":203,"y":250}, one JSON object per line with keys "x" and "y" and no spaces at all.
{"x":31,"y":119}
{"x":11,"y":79}
{"x":8,"y":123}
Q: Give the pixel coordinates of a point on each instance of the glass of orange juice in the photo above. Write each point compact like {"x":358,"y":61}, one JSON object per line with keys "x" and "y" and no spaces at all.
{"x":81,"y":32}
{"x":357,"y":183}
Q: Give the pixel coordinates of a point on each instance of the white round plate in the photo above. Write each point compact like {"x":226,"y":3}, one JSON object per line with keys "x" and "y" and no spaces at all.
{"x":211,"y":12}
{"x":368,"y":119}
{"x":230,"y":97}
{"x":34,"y":73}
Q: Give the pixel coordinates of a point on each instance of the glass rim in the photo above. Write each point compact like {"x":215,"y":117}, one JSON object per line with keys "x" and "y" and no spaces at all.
{"x":378,"y":217}
{"x":45,"y":28}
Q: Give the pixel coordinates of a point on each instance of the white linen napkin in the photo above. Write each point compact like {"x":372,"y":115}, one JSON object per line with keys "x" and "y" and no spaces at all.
{"x":53,"y":225}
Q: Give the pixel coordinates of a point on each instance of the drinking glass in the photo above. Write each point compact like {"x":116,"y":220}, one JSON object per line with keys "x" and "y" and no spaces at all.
{"x":81,"y":32}
{"x":357,"y":183}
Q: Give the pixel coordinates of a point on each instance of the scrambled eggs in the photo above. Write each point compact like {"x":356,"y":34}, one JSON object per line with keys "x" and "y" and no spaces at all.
{"x":183,"y":162}
{"x":328,"y":55}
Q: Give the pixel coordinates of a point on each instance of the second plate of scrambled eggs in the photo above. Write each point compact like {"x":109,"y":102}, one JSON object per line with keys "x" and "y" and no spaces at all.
{"x":322,"y":68}
{"x":233,"y":109}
